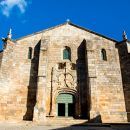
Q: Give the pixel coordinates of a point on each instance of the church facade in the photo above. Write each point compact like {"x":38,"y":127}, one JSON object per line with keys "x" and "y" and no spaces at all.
{"x":65,"y":71}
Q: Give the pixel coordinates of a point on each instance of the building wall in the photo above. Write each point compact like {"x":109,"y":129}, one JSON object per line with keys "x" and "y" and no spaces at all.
{"x":15,"y":76}
{"x":105,"y":82}
{"x":29,"y":88}
{"x":124,"y":51}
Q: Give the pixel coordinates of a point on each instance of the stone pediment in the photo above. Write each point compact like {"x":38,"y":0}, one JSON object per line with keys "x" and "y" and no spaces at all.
{"x":75,"y":28}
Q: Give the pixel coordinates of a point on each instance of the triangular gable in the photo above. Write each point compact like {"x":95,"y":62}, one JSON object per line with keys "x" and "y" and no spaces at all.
{"x":82,"y":28}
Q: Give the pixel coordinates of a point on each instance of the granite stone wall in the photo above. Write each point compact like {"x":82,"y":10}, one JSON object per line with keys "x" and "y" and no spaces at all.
{"x":29,"y":87}
{"x":123,"y":48}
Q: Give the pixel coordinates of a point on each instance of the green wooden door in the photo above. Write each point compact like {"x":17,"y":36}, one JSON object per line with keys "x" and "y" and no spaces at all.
{"x":65,"y":99}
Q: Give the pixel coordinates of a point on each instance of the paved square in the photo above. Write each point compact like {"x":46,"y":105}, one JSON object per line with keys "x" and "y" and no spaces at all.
{"x":31,"y":126}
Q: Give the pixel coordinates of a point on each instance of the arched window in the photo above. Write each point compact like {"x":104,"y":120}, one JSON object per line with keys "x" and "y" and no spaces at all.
{"x":30,"y":53}
{"x":67,"y":53}
{"x":103,"y":54}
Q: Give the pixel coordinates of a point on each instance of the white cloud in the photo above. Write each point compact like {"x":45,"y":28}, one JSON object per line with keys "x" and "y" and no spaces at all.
{"x":7,"y":6}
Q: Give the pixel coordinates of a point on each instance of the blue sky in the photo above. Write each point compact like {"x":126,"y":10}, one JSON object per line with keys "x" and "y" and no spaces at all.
{"x":107,"y":17}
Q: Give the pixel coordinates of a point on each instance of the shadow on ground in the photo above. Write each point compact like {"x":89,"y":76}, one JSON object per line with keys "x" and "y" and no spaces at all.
{"x":94,"y":124}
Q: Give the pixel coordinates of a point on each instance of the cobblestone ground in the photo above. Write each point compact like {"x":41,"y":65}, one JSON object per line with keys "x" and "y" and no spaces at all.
{"x":12,"y":126}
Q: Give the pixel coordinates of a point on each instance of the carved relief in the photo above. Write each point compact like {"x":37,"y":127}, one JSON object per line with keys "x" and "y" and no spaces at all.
{"x":66,"y":80}
{"x":63,"y":76}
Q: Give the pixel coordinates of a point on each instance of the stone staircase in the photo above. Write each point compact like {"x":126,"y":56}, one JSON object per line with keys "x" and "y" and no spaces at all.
{"x":64,"y":121}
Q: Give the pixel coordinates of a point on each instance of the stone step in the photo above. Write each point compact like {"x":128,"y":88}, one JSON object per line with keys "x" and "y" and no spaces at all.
{"x":64,"y":121}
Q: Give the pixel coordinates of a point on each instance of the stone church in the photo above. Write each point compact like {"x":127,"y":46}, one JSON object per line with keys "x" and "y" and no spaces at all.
{"x":65,"y":71}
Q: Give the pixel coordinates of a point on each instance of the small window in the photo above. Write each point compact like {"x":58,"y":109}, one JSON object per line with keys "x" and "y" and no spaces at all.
{"x":67,"y":53}
{"x":30,"y":53}
{"x":103,"y":54}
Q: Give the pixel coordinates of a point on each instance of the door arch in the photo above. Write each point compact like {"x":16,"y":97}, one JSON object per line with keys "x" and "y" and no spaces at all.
{"x":65,"y":105}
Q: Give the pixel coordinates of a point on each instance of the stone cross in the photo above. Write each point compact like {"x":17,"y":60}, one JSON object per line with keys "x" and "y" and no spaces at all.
{"x":124,"y":35}
{"x":10,"y":34}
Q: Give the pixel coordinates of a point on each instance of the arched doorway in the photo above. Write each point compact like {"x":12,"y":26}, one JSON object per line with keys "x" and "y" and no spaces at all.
{"x":65,"y":105}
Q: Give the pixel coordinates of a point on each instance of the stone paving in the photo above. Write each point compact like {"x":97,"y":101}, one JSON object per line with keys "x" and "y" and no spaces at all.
{"x":30,"y":126}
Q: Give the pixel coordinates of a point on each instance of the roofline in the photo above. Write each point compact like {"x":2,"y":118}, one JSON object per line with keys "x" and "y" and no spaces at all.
{"x":123,"y":41}
{"x":69,"y":24}
{"x":40,"y":31}
{"x":93,"y":32}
